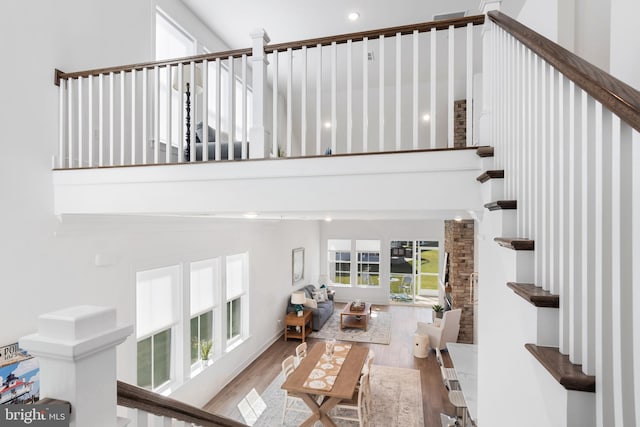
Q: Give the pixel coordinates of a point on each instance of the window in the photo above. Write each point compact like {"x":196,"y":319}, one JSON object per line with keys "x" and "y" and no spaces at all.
{"x":236,"y":275}
{"x":414,"y":269}
{"x":156,"y":318}
{"x":205,"y":282}
{"x":171,"y":42}
{"x":339,"y":261}
{"x":368,"y":262}
{"x":224,"y":102}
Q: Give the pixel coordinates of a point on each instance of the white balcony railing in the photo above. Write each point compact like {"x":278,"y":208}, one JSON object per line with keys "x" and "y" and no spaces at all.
{"x":385,"y":90}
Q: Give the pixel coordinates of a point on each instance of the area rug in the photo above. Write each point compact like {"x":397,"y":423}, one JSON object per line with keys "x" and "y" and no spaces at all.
{"x":396,"y":399}
{"x":378,"y":329}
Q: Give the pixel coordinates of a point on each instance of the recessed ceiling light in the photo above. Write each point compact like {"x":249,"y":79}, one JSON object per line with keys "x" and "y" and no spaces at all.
{"x":353,"y":16}
{"x":250,"y":215}
{"x":426,"y":117}
{"x":328,"y":219}
{"x":327,"y":124}
{"x":457,"y":218}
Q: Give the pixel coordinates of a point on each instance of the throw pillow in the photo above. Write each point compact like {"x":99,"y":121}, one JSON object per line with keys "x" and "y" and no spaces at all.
{"x":319,"y":296}
{"x":311,"y":303}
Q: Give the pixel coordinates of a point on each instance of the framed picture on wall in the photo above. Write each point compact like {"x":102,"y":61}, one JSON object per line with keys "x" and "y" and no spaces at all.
{"x":297,"y":264}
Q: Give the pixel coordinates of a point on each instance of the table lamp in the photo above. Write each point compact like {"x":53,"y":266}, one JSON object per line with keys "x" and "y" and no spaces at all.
{"x":298,"y":298}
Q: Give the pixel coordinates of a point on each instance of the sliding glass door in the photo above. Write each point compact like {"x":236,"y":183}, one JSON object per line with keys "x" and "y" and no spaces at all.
{"x":414,"y":269}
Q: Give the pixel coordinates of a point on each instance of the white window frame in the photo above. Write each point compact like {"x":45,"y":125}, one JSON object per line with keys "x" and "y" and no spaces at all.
{"x":332,"y":262}
{"x":242,"y":295}
{"x":174,"y":272}
{"x":213,"y":308}
{"x":368,"y":244}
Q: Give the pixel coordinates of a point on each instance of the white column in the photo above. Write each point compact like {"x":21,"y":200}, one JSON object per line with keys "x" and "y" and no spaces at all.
{"x":76,"y":349}
{"x":259,"y":149}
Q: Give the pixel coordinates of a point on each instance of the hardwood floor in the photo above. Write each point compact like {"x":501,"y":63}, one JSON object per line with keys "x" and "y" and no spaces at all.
{"x":398,"y":353}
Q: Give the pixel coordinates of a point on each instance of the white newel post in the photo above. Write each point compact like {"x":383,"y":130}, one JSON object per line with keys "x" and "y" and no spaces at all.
{"x":76,"y":350}
{"x":485,"y":134}
{"x":259,"y":147}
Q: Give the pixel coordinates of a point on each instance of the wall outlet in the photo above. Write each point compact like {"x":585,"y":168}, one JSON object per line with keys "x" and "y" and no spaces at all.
{"x":279,"y":323}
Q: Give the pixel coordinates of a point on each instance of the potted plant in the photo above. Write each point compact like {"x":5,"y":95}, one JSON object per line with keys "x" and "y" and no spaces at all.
{"x":438,"y":311}
{"x":205,"y":348}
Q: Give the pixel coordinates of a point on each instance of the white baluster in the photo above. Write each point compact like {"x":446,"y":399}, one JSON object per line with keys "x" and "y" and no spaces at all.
{"x":80,"y":120}
{"x":398,"y":91}
{"x":289,"y":100}
{"x":575,"y":240}
{"x":334,"y":98}
{"x":349,"y":95}
{"x":112,"y":118}
{"x":90,"y":122}
{"x":534,"y":233}
{"x":365,"y":95}
{"x":319,"y":101}
{"x":381,"y":97}
{"x":450,"y":81}
{"x":564,"y":223}
{"x":416,"y":88}
{"x":470,"y":84}
{"x":61,"y":121}
{"x":274,"y":130}
{"x":205,"y":113}
{"x":167,"y":144}
{"x":145,"y":114}
{"x":156,"y":114}
{"x":133,"y":116}
{"x":231,"y":112}
{"x":635,"y":180}
{"x":192,"y":130}
{"x":433,"y":77}
{"x":588,"y":208}
{"x":245,"y":122}
{"x":303,"y":104}
{"x":218,"y":128}
{"x":70,"y":122}
{"x":122,"y":123}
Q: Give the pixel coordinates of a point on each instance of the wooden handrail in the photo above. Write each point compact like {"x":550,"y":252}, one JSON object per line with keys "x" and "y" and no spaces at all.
{"x":374,"y":34}
{"x":60,"y":75}
{"x":131,"y":396}
{"x":617,"y":96}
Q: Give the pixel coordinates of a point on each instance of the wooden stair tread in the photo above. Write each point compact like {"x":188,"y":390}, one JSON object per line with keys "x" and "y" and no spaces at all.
{"x":490,"y":174}
{"x":502,"y":205}
{"x":570,"y":376}
{"x":485,"y":151}
{"x":535,"y":294}
{"x":515,"y":243}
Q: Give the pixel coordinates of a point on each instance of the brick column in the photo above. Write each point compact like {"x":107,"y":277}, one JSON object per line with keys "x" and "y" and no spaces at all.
{"x":459,"y":242}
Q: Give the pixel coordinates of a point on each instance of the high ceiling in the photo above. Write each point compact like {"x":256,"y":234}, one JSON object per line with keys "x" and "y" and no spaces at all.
{"x":290,"y":20}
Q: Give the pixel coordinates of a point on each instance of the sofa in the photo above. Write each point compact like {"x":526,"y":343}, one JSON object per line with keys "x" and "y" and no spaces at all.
{"x":320,"y":314}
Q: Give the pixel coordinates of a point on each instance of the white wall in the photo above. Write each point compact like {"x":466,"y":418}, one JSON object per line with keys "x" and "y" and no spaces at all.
{"x":625,"y":46}
{"x":385,"y":231}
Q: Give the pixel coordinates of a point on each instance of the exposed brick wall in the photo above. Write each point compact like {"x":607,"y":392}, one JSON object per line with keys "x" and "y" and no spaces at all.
{"x":460,"y":123}
{"x":459,"y":242}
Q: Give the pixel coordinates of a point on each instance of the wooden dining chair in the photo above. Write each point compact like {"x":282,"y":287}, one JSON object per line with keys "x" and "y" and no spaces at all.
{"x":358,"y":404}
{"x":457,"y":400}
{"x":449,"y":376}
{"x":290,"y":400}
{"x":301,"y":352}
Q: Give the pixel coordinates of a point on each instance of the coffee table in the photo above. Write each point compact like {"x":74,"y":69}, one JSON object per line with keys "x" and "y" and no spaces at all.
{"x":355,"y":319}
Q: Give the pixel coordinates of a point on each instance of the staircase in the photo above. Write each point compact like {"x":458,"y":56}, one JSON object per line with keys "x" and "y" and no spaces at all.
{"x":558,"y":325}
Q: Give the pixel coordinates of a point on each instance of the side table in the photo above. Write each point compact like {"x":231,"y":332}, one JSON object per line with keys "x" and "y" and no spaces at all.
{"x":292,"y":320}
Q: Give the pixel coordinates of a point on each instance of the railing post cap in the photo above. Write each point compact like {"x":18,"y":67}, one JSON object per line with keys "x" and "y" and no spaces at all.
{"x":260,"y":33}
{"x":76,"y":332}
{"x":489,"y":5}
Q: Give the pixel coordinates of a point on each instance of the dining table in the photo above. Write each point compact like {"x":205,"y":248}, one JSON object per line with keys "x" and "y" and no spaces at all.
{"x":301,"y":381}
